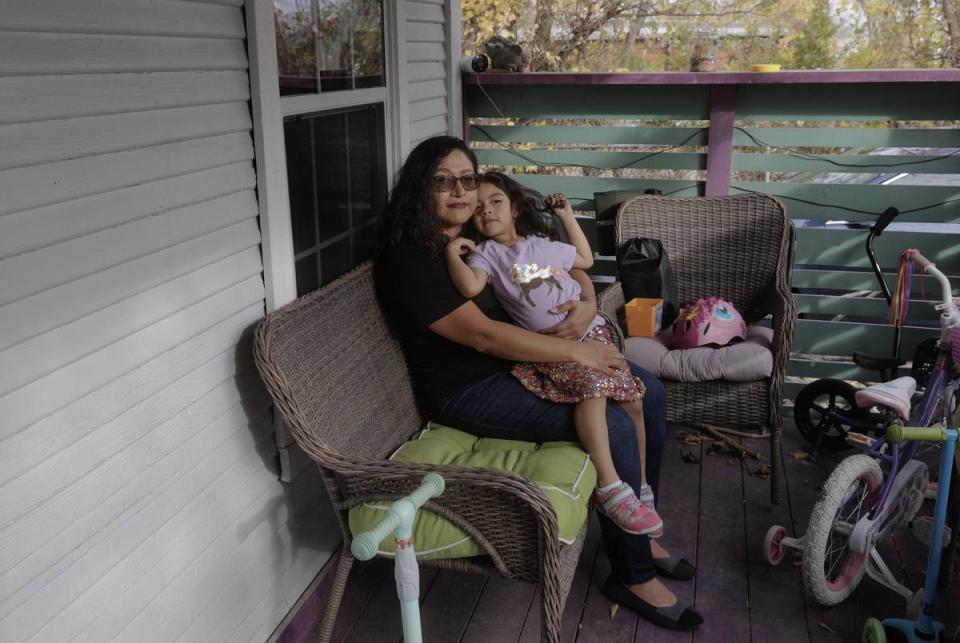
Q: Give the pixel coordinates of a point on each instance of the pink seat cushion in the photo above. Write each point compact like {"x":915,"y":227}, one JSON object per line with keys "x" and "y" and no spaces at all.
{"x":745,"y":361}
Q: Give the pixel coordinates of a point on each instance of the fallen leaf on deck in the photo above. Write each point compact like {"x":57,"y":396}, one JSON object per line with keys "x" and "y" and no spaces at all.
{"x":825,"y":626}
{"x":613,"y":610}
{"x":688,"y":457}
{"x":799,"y":455}
{"x":763,"y":471}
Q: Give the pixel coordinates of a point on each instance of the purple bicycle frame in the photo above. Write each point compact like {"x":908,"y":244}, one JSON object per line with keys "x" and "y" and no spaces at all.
{"x":902,"y":452}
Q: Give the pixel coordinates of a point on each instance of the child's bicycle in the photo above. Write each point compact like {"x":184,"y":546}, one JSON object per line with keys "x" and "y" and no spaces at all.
{"x":923,"y":628}
{"x":825,"y":410}
{"x":869,"y":495}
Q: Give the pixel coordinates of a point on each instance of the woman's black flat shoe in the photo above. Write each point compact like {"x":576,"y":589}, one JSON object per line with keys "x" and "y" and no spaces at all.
{"x":674,"y":567}
{"x":679,"y":616}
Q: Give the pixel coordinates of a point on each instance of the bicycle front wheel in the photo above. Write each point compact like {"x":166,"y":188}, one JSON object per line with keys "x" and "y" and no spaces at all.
{"x":831,"y":570}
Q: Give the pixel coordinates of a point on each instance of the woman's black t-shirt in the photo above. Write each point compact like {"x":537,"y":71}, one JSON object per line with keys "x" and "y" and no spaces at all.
{"x":415,"y":290}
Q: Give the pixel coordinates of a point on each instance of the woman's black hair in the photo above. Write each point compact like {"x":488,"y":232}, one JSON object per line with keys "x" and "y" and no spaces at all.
{"x":533,"y":216}
{"x":411,"y":212}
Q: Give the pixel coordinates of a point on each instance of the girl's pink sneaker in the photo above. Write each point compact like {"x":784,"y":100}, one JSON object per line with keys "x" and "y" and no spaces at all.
{"x":622,"y":506}
{"x":645,"y":496}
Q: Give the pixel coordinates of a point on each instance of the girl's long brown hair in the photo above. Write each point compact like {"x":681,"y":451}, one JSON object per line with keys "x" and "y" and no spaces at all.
{"x":533,"y":217}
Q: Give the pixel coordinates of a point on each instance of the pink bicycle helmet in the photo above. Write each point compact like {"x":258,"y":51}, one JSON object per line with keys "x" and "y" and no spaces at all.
{"x":708,"y":322}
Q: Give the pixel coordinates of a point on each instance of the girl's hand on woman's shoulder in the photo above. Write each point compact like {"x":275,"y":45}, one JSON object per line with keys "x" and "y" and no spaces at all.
{"x":460,"y":246}
{"x":559,"y":205}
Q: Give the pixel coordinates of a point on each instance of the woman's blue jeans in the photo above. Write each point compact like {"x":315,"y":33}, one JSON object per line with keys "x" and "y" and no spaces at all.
{"x":500,"y":407}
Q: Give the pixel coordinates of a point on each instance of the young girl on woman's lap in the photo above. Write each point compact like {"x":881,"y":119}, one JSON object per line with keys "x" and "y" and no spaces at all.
{"x":529,"y":274}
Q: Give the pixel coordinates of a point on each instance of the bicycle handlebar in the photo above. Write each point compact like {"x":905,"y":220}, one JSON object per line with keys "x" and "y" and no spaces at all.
{"x":365,"y":544}
{"x":885,"y":219}
{"x":927,"y":266}
{"x":926,"y":434}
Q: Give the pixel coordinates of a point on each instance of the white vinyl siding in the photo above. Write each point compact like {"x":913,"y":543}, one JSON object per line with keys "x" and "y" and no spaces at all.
{"x":426,"y":54}
{"x":139,"y":498}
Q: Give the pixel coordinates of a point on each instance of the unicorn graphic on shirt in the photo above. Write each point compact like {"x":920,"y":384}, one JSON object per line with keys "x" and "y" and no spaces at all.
{"x":530,"y":276}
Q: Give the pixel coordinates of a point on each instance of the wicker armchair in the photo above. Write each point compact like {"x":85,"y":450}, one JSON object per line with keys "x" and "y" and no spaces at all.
{"x":340,"y":382}
{"x":737,"y":247}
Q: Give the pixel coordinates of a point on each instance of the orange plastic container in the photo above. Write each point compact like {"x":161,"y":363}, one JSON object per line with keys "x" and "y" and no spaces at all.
{"x":644,"y":317}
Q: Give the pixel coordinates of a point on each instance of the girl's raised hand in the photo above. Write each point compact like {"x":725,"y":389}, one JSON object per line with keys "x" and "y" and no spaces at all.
{"x":460,"y":246}
{"x":559,"y":205}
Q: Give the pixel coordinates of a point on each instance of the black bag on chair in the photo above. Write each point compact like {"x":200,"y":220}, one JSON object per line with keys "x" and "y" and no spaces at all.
{"x":645,"y":272}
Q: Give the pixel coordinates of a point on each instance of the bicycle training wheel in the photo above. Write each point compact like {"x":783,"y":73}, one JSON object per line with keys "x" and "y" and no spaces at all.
{"x":825,"y":411}
{"x":831,"y":571}
{"x":873,"y":632}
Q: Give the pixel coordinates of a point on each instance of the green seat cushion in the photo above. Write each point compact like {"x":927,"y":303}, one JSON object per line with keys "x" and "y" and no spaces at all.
{"x":561,"y":469}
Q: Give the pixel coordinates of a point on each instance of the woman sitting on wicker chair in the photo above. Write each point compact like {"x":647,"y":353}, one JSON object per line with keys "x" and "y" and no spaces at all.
{"x":460,"y":352}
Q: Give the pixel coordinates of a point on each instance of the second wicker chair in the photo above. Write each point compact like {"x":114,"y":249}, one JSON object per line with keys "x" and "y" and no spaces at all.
{"x":739,"y":248}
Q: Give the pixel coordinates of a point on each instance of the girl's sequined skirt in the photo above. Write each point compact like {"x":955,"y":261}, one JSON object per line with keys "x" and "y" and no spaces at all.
{"x":568,"y":382}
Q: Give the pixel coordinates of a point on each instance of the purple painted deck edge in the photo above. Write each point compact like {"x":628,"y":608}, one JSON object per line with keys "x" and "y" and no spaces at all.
{"x":852,"y":76}
{"x":308,"y":617}
{"x":720,"y":141}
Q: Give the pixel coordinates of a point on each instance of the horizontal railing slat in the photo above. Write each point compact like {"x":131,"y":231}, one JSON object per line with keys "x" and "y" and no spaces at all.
{"x":921,"y":310}
{"x":598,"y":135}
{"x":845,"y":370}
{"x":778,"y":162}
{"x":603,"y":160}
{"x":845,"y":248}
{"x":789,"y":137}
{"x":613,"y":101}
{"x":853,"y":102}
{"x":849,"y":279}
{"x":847,"y":136}
{"x":843,"y":338}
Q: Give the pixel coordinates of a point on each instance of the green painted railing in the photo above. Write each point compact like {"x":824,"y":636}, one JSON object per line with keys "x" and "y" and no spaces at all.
{"x":814,"y":139}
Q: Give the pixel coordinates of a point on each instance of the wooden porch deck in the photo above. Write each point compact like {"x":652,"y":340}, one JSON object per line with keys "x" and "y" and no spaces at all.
{"x":715,"y":512}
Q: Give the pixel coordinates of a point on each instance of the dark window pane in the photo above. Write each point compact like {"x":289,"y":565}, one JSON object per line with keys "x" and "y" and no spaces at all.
{"x":363,"y":240}
{"x":303,"y":211}
{"x":367,"y":166}
{"x":338,"y":43}
{"x":336,"y":260}
{"x":333,"y":186}
{"x":338,"y":186}
{"x":308,"y":276}
{"x":361,"y":140}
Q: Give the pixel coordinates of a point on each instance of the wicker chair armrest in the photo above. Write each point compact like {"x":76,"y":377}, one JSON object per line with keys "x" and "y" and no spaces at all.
{"x":611,"y":300}
{"x":616,"y":333}
{"x":784,"y":322}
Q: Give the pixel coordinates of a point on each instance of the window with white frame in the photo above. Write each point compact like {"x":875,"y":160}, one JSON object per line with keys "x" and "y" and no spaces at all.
{"x":322,"y":96}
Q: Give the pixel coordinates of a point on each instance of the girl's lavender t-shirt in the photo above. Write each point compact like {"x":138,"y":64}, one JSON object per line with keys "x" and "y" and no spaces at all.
{"x":530,"y":278}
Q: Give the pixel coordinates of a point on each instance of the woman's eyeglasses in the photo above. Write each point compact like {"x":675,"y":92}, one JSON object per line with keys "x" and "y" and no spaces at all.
{"x":445,"y":182}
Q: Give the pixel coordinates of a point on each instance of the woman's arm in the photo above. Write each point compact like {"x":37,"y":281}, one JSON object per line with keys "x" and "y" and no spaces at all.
{"x":469,"y":281}
{"x":467,"y":325}
{"x":580,"y":314}
{"x":561,"y":209}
